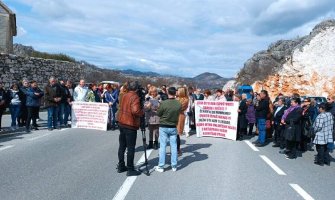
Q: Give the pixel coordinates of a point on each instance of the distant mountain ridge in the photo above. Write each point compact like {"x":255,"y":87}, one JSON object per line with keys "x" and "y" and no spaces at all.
{"x":204,"y":80}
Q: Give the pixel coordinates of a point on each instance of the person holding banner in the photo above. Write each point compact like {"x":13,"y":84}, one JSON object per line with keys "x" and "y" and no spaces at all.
{"x":129,"y":122}
{"x":242,"y":122}
{"x":220,"y":95}
{"x":182,"y":97}
{"x":80,"y":92}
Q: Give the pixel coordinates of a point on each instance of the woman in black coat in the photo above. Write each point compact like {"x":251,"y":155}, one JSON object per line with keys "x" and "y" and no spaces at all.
{"x":242,"y":123}
{"x":292,"y":121}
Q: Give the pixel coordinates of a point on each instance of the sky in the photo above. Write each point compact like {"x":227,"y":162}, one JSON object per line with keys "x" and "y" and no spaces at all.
{"x":176,"y":37}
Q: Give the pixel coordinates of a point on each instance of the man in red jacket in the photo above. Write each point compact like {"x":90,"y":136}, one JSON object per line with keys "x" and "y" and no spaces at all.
{"x":129,"y":122}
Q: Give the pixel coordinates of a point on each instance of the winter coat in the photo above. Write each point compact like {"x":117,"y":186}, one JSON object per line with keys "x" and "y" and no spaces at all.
{"x":262,"y":109}
{"x":50,"y":93}
{"x":15,"y":97}
{"x":278,"y":115}
{"x":3,"y":98}
{"x":306,"y":120}
{"x":32,"y":99}
{"x":323,"y":128}
{"x":182,"y":115}
{"x":130,"y":111}
{"x":294,"y":117}
{"x":151,"y":112}
{"x":251,"y":114}
{"x":242,"y":120}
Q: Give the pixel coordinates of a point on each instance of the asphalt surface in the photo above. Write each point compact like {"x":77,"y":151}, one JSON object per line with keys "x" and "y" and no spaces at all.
{"x":80,"y":164}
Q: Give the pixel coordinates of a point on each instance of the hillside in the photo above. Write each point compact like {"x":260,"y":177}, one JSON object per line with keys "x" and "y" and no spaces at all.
{"x":205,"y":80}
{"x":303,"y":65}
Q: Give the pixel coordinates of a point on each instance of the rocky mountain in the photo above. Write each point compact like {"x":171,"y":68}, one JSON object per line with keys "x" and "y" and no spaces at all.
{"x":303,"y":65}
{"x":205,"y":80}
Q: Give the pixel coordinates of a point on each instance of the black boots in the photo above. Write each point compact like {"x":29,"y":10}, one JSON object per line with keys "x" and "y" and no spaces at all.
{"x":132,"y":172}
{"x":150,"y":146}
{"x":121,"y":168}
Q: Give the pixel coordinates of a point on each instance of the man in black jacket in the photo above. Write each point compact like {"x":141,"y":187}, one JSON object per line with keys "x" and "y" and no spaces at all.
{"x":279,"y":139}
{"x":53,"y":96}
{"x":262,"y":109}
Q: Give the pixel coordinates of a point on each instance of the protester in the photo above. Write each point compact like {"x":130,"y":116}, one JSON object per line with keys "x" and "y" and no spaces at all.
{"x":182,"y":97}
{"x":112,"y":99}
{"x":34,"y":95}
{"x":3,"y":99}
{"x":163,"y":93}
{"x":151,"y":106}
{"x":68,"y":109}
{"x":190,"y":113}
{"x":168,"y":112}
{"x":279,"y":139}
{"x":220,"y":95}
{"x":53,"y":96}
{"x":306,"y":124}
{"x":129,"y":122}
{"x":90,"y":94}
{"x":65,"y":98}
{"x":323,"y":128}
{"x":262,"y":110}
{"x":242,"y":122}
{"x":198,"y":95}
{"x":251,"y":116}
{"x":16,"y":97}
{"x":292,"y":121}
{"x":208,"y":95}
{"x":23,"y":110}
{"x":80,"y":91}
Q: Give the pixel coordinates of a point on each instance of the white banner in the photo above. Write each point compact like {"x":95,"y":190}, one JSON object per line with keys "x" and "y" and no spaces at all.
{"x":89,"y":115}
{"x":216,"y":119}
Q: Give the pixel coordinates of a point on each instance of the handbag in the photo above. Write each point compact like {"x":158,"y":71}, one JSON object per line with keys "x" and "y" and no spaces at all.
{"x":308,"y":129}
{"x":289,"y":131}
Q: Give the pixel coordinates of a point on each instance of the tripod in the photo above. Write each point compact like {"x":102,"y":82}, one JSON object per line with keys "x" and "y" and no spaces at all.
{"x":144,"y":139}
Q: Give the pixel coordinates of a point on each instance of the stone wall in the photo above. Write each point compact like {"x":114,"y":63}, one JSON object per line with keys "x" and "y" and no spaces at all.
{"x":15,"y":68}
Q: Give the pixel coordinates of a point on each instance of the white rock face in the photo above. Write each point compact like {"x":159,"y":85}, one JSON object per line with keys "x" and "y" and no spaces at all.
{"x":309,"y":71}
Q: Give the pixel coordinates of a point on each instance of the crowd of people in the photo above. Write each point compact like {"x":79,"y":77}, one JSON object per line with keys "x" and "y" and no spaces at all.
{"x":26,"y":98}
{"x":294,"y":124}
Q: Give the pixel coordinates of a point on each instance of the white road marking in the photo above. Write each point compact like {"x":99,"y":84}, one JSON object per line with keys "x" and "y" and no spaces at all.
{"x":301,"y":192}
{"x":38,"y":137}
{"x":273,"y":166}
{"x":128,"y":183}
{"x":6,"y":147}
{"x":251,"y":145}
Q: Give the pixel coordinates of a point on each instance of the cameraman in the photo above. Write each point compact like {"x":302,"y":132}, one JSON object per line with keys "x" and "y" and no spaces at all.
{"x":129,"y":121}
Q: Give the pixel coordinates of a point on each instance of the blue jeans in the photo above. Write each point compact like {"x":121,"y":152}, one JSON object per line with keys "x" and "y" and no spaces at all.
{"x":52,"y":116}
{"x":166,"y":134}
{"x":261,"y":125}
{"x":15,"y":113}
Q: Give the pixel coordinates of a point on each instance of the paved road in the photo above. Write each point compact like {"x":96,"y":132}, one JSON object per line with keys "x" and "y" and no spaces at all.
{"x":80,"y":164}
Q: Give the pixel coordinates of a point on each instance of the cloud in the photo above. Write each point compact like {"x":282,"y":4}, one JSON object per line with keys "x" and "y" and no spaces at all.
{"x":171,"y":37}
{"x":284,"y":15}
